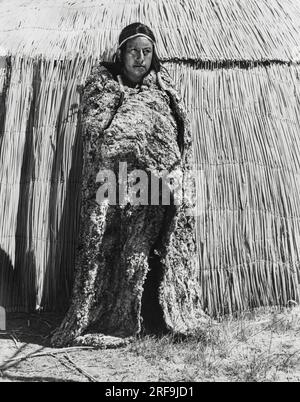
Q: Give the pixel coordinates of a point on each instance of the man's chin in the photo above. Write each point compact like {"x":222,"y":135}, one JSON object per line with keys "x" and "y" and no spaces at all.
{"x":140,"y":75}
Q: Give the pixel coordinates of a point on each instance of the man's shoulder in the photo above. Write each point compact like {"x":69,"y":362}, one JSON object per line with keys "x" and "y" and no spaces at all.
{"x":100,"y":72}
{"x":100,"y":80}
{"x":165,"y":74}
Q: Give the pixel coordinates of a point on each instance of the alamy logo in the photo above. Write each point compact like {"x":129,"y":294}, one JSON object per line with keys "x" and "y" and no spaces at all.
{"x":139,"y":187}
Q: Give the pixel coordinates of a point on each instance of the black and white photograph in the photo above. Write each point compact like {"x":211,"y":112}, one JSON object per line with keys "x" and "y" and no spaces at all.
{"x":150,"y":193}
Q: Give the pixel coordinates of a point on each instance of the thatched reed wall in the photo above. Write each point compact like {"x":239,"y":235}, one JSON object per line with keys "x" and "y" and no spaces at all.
{"x":236,"y":63}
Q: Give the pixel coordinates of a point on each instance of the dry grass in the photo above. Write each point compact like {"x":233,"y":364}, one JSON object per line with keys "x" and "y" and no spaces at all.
{"x":254,"y":347}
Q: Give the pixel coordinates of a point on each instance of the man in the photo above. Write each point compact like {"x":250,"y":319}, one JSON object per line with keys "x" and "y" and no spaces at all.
{"x":132,"y":114}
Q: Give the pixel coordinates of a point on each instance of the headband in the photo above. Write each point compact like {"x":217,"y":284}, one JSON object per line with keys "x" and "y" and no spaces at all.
{"x":134,"y":36}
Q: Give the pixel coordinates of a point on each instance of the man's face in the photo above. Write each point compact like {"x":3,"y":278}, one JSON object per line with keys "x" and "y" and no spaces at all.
{"x":137,"y":58}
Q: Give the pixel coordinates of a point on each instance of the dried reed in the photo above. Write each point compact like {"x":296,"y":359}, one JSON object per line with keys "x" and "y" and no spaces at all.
{"x":189,"y":29}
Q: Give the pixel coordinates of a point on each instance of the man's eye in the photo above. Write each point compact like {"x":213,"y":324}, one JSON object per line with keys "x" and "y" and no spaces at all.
{"x":136,"y":51}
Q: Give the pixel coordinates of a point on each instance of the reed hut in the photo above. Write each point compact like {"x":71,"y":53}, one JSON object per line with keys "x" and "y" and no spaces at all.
{"x":236,"y":63}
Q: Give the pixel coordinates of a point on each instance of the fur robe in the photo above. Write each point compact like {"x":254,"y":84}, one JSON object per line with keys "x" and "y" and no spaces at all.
{"x":147,"y":128}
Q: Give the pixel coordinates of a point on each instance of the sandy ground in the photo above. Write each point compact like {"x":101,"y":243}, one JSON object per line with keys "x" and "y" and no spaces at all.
{"x":29,"y":334}
{"x":257,"y":347}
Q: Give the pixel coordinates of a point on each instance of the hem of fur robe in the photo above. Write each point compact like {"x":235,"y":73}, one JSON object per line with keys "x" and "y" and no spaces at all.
{"x":141,"y":126}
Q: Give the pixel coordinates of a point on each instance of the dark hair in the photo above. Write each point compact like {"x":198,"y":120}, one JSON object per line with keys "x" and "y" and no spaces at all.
{"x":133,"y":29}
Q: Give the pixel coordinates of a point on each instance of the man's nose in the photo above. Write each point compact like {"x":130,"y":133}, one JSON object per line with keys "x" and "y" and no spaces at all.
{"x":141,"y":55}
